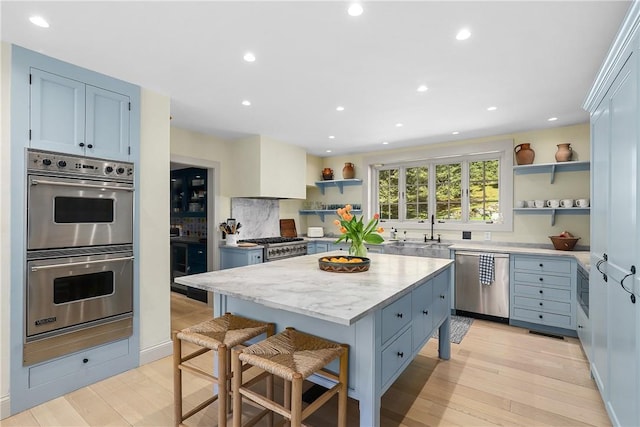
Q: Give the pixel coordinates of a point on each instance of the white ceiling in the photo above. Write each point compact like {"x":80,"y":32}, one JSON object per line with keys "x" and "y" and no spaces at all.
{"x":532,"y":60}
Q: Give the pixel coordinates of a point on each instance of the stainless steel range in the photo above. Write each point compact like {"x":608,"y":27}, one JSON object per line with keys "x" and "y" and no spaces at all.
{"x":276,"y":248}
{"x":79,"y":288}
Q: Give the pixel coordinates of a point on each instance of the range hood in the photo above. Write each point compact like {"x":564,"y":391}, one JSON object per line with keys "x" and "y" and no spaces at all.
{"x":265,"y":168}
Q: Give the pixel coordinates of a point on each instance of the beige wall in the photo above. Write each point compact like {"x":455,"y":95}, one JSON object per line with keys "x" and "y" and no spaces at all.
{"x":155,"y":311}
{"x":526,"y":228}
{"x":5,"y":221}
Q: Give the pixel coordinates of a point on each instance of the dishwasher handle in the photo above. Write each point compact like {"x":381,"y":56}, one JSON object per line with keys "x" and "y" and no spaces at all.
{"x":477,"y":254}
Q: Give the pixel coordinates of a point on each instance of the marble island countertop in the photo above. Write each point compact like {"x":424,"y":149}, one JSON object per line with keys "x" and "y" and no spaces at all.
{"x":298,"y":285}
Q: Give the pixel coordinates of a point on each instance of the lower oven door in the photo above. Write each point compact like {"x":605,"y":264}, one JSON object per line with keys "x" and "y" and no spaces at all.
{"x":72,"y":212}
{"x":68,"y":292}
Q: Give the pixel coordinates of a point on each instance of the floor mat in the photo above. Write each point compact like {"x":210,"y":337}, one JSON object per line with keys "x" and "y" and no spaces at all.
{"x":459,"y":327}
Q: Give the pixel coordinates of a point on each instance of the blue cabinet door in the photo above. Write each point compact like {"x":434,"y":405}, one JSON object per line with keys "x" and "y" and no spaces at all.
{"x":56,"y":113}
{"x":621,"y":250}
{"x":598,"y":295}
{"x":107,"y":123}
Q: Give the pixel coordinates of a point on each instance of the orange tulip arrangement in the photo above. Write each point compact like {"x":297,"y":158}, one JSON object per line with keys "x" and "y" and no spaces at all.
{"x":354,"y":229}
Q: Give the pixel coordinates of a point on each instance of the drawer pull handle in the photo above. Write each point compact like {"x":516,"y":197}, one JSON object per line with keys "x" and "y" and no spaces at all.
{"x":425,"y":312}
{"x":540,"y":316}
{"x":541,"y":265}
{"x":580,"y":326}
{"x":540,"y":291}
{"x":399,"y":315}
{"x":540,"y":304}
{"x":441,"y":296}
{"x":541,"y":279}
{"x":85,"y":360}
{"x":400,"y":354}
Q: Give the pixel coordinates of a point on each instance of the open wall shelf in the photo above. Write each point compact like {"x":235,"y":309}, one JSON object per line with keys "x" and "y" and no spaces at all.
{"x":552,"y":168}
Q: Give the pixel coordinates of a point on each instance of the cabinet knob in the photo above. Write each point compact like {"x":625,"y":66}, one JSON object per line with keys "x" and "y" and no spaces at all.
{"x":81,"y":144}
{"x":400,"y":354}
{"x":540,"y":291}
{"x":442,"y":296}
{"x":425,"y":312}
{"x":540,"y":316}
{"x":399,"y":315}
{"x":541,"y":279}
{"x":541,"y":265}
{"x":90,"y":146}
{"x":85,"y":360}
{"x":580,"y":326}
{"x":540,"y":304}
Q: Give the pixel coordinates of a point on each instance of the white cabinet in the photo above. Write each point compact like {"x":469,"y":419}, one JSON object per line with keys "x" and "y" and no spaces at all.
{"x":70,"y":116}
{"x":614,"y":311}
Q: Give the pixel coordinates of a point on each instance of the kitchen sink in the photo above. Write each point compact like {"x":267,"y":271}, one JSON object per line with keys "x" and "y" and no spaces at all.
{"x":415,"y":248}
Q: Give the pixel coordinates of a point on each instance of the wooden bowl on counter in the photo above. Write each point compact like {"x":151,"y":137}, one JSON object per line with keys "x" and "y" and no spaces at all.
{"x":344,"y":264}
{"x":564,"y":243}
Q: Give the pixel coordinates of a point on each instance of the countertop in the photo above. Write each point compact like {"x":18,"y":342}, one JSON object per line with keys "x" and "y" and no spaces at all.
{"x":583,"y":257}
{"x":188,"y":239}
{"x":298,"y":285}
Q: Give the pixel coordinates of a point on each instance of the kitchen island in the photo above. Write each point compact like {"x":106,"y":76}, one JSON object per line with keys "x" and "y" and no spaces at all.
{"x":385,"y":314}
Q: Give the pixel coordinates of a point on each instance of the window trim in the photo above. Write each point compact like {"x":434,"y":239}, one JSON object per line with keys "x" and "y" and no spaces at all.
{"x":502,"y":150}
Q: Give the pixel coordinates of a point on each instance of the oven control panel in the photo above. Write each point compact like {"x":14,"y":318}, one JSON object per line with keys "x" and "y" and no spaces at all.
{"x":45,"y":161}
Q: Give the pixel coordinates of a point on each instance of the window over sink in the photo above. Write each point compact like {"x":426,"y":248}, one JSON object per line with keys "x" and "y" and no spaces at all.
{"x":464,"y":187}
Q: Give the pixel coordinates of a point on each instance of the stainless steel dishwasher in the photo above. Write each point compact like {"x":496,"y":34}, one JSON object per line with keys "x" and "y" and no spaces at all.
{"x":472,"y":297}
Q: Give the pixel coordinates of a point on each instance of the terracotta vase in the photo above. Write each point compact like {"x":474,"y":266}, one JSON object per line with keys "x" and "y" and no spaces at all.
{"x":564,"y":153}
{"x":524,"y":154}
{"x":348,"y":171}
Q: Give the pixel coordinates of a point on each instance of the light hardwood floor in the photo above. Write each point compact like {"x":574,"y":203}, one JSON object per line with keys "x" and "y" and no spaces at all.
{"x":498,"y":375}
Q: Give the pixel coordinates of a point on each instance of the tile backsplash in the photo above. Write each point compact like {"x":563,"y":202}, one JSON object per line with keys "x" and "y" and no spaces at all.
{"x":192,"y":227}
{"x":259,"y":217}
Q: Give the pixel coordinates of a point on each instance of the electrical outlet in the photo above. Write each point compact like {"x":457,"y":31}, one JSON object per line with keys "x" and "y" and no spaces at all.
{"x":487,"y":235}
{"x":466,"y":235}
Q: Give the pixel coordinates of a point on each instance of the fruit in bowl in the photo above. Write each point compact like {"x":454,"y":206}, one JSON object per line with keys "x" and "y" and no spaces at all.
{"x":565,"y":234}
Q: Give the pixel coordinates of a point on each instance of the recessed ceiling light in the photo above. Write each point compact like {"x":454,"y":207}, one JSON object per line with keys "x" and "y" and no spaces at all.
{"x":422,"y":88}
{"x":463,"y":34}
{"x":339,"y":108}
{"x":355,"y":9}
{"x":39,"y":21}
{"x":399,"y":125}
{"x":552,"y":119}
{"x":249,"y":57}
{"x":455,"y":133}
{"x":492,"y":108}
{"x":332,"y":137}
{"x":246,"y":103}
{"x":328,"y":151}
{"x":385,"y":142}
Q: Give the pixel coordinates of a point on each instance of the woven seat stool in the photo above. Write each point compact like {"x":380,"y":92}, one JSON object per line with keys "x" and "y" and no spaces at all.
{"x":220,"y":335}
{"x":292,"y":356}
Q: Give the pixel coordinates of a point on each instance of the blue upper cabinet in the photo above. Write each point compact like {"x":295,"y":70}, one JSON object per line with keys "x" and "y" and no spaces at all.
{"x":73,"y":117}
{"x":107,"y":123}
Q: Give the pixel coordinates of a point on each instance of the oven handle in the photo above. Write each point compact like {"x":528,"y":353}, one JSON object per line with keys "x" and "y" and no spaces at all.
{"x":71,"y":184}
{"x":72,"y":264}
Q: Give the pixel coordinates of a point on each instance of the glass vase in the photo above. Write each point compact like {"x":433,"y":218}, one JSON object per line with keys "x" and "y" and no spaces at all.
{"x":358,"y":249}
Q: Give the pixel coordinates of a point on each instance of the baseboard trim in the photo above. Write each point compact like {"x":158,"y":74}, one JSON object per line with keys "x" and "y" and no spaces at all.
{"x":156,"y":352}
{"x":5,"y":406}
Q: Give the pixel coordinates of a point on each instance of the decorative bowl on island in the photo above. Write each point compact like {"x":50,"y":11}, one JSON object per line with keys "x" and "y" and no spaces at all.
{"x":344,"y":264}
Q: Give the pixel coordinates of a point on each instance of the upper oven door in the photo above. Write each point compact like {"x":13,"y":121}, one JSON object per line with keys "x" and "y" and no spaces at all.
{"x":68,"y":212}
{"x":66,"y":292}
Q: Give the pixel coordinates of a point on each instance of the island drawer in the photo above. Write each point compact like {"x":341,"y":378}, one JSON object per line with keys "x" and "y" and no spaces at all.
{"x":422,"y":313}
{"x":543,"y":305}
{"x":395,"y":316}
{"x":543,"y":279}
{"x":396,"y":355}
{"x":542,"y":292}
{"x":542,"y":264}
{"x":543,"y":318}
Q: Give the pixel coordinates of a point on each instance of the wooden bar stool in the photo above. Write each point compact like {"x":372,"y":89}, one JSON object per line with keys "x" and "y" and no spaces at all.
{"x":292,"y":356}
{"x":220,"y":335}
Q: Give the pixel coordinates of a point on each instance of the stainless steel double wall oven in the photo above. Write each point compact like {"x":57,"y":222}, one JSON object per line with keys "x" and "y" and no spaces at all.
{"x":79,"y":289}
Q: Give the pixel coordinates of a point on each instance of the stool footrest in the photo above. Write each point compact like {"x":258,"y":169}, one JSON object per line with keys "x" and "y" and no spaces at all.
{"x":321,"y":400}
{"x":200,"y":407}
{"x":198,"y":372}
{"x":266,"y":403}
{"x":195,"y":354}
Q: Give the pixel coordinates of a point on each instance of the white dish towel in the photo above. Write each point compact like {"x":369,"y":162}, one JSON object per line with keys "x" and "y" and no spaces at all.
{"x":486,"y":269}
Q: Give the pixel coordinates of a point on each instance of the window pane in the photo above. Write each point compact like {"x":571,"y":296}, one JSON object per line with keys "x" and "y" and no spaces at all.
{"x":417,"y":191}
{"x":449,"y":191}
{"x":484,"y":194}
{"x":388,"y":193}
